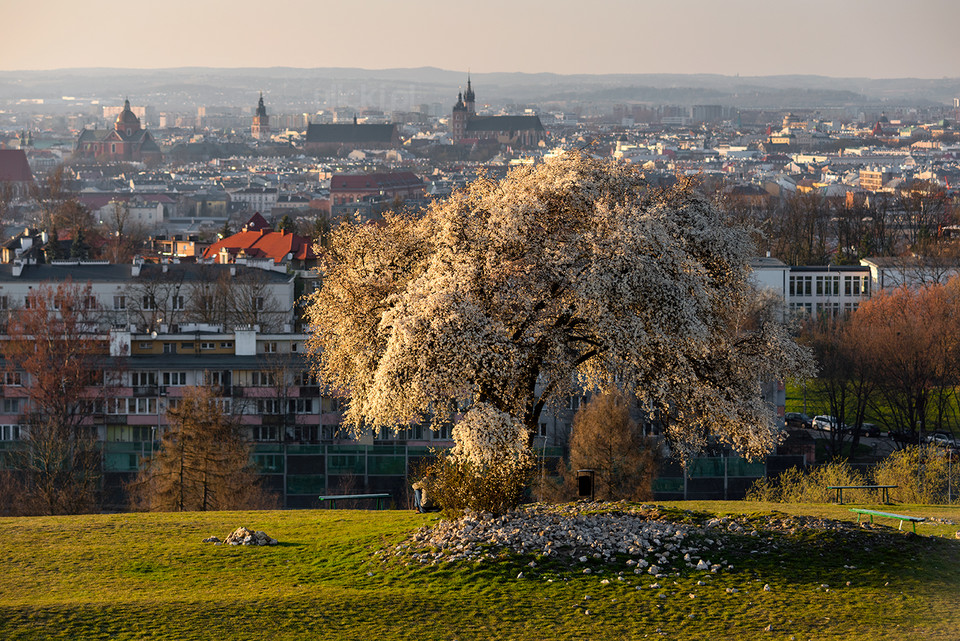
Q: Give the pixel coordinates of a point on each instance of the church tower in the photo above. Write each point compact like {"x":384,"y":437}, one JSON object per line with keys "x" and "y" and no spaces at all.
{"x":469,"y":100}
{"x":458,"y":120}
{"x":261,"y":122}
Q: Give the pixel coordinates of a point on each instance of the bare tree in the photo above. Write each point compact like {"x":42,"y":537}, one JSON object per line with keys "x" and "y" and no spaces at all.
{"x":158,"y":298}
{"x":912,"y":334}
{"x":123,"y":236}
{"x":55,"y":353}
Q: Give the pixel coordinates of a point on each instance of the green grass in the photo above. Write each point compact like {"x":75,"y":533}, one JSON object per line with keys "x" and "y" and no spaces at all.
{"x":148,"y":576}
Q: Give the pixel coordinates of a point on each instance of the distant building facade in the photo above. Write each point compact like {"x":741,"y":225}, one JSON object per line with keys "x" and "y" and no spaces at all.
{"x":348,"y":188}
{"x":334,"y":139}
{"x":260,"y":129}
{"x":15,"y":173}
{"x":126,"y":141}
{"x":467,"y":127}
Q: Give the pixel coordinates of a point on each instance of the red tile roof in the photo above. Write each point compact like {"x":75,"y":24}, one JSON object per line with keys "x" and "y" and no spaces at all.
{"x":264,"y":244}
{"x":395,"y":180}
{"x":14,"y":166}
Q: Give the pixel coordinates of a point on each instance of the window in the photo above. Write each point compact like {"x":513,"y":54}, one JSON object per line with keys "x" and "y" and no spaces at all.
{"x":169,"y":348}
{"x":214,"y":378}
{"x":9,"y":432}
{"x":146,"y":345}
{"x":268,"y":406}
{"x":12,"y":379}
{"x":573,"y":402}
{"x":304,"y":379}
{"x":262,"y":379}
{"x":10,"y":406}
{"x":3,"y":302}
{"x":300,"y":406}
{"x":270,"y":347}
{"x":226,"y":345}
{"x":206,"y":303}
{"x":142,"y":379}
{"x":89,"y":302}
{"x":175,"y":379}
{"x":293,"y":347}
{"x":116,"y":406}
{"x":543,"y":429}
{"x":149,"y":302}
{"x":142,"y":405}
{"x":258,"y":303}
{"x":208,"y":346}
{"x":186,"y":345}
{"x":176,"y":303}
{"x":801,"y":285}
{"x":119,"y":302}
{"x":130,"y":433}
{"x":264,"y":432}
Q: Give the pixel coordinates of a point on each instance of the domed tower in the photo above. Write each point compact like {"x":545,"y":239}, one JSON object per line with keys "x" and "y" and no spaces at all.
{"x":261,"y":122}
{"x":469,"y":99}
{"x":127,"y":122}
{"x":458,"y":119}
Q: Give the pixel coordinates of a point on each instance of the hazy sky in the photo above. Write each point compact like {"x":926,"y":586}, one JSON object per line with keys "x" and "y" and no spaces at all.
{"x":871,"y":38}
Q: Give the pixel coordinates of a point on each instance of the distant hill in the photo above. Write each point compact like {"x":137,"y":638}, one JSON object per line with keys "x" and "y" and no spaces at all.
{"x":289,"y":88}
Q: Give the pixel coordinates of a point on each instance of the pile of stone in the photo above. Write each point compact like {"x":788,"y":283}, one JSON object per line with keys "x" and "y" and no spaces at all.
{"x":578,"y":532}
{"x":243,"y":536}
{"x":592,"y":532}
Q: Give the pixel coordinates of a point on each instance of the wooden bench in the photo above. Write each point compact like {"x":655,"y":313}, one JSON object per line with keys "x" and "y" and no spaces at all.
{"x":903,"y":517}
{"x":333,"y":498}
{"x":884,"y":490}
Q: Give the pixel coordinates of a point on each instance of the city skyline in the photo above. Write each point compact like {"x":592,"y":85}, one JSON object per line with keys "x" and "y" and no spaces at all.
{"x":870,"y":39}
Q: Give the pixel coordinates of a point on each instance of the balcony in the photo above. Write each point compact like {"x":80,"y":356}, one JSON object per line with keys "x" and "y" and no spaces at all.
{"x":145,"y":390}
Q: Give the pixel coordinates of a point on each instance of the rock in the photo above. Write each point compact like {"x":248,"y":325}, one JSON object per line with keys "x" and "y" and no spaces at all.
{"x":243,"y":536}
{"x":211,"y":539}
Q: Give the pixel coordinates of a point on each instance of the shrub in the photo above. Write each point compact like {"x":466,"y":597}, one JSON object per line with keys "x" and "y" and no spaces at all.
{"x":489,"y":466}
{"x":922,"y":475}
{"x":799,"y":486}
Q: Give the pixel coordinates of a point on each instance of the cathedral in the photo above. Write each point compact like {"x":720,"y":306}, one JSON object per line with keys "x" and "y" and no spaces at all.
{"x":127,"y":141}
{"x":467,"y":127}
{"x":260,"y":129}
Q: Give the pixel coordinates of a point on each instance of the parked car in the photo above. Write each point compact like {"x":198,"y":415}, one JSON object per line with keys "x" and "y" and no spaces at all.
{"x":797,"y":420}
{"x":941,"y":438}
{"x":869,"y":429}
{"x":825,"y":422}
{"x":904,"y":437}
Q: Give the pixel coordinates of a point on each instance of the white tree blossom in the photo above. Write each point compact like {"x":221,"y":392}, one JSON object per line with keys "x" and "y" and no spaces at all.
{"x":486,"y":437}
{"x":574,"y":272}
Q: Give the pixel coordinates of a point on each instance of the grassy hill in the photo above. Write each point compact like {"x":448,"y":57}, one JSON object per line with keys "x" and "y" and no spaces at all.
{"x":148,"y":576}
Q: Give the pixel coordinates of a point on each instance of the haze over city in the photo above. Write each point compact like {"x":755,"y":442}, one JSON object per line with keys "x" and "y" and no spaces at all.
{"x":858,"y":38}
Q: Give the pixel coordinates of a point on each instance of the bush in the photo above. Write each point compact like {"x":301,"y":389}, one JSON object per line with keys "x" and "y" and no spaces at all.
{"x":489,"y":466}
{"x":461,"y":485}
{"x":798,"y":486}
{"x":922,"y":475}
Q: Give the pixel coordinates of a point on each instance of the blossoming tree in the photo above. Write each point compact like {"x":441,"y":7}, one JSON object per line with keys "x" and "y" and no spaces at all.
{"x":575,"y":272}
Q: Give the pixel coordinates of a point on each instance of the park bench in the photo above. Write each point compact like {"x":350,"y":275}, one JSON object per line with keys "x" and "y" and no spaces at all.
{"x":884,"y":490}
{"x":903,"y":517}
{"x":333,"y":498}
